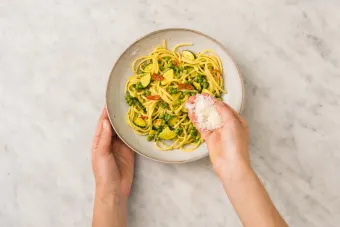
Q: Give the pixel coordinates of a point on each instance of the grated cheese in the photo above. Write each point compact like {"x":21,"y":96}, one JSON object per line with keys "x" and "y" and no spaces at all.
{"x":206,"y":113}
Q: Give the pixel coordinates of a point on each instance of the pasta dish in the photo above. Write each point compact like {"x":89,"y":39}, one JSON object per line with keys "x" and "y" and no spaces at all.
{"x":161,"y":84}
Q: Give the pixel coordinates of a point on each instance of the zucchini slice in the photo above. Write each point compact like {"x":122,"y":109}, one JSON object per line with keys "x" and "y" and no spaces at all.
{"x":168,"y":76}
{"x":207,"y":92}
{"x":145,"y":80}
{"x":188,"y":55}
{"x":152,"y":132}
{"x":139,"y":122}
{"x":172,"y":121}
{"x":148,"y":68}
{"x":167,"y":134}
{"x":176,"y":96}
{"x":197,"y":86}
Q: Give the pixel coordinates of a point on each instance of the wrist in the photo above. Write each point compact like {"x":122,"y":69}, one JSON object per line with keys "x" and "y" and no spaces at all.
{"x":106,"y":195}
{"x":109,"y":209}
{"x":231,"y":172}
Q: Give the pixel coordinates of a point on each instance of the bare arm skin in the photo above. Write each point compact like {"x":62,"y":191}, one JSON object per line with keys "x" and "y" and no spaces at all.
{"x":113,"y":166}
{"x":113,"y":161}
{"x":228,"y":151}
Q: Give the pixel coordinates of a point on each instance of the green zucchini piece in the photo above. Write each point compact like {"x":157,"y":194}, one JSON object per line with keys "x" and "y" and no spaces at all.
{"x":167,"y":134}
{"x":168,"y":76}
{"x":139,"y":122}
{"x":207,"y":92}
{"x":172,"y":121}
{"x":145,"y":80}
{"x":152,"y":132}
{"x":188,"y":55}
{"x":197,"y":86}
{"x":148,"y":68}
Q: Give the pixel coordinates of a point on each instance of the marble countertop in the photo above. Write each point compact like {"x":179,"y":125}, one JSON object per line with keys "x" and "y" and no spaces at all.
{"x":55,"y":57}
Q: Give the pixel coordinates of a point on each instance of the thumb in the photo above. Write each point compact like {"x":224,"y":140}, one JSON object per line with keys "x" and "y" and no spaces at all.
{"x":105,"y":138}
{"x":225,"y":111}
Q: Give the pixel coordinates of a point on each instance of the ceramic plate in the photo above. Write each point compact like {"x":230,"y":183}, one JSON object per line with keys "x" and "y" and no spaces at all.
{"x":115,"y":94}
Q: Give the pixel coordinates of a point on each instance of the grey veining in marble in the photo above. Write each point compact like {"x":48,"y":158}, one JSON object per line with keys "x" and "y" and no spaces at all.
{"x":55,"y":56}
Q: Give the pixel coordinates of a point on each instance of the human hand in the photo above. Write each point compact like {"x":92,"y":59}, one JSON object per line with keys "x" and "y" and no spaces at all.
{"x":227,"y":145}
{"x":112,"y":161}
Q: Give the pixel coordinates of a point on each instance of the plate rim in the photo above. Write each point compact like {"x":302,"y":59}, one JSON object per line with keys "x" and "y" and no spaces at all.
{"x":152,"y":33}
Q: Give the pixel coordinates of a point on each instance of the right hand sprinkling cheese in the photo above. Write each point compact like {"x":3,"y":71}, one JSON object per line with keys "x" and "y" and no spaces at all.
{"x":206,"y":113}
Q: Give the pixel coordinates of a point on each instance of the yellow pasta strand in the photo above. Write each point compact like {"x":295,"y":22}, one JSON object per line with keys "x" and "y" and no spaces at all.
{"x":165,"y":101}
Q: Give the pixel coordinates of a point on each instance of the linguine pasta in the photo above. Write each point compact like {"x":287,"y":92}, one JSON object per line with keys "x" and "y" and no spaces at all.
{"x":161,"y":84}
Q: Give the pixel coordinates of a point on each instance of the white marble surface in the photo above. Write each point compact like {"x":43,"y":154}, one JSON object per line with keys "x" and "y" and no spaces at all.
{"x":55,"y":56}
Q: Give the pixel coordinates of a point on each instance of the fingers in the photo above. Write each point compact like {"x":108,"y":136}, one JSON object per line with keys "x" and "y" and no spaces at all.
{"x":192,"y":99}
{"x":124,"y":157}
{"x":227,"y":113}
{"x":103,"y":135}
{"x":193,"y":119}
{"x":105,"y":138}
{"x":240,"y":119}
{"x":103,"y":115}
{"x":99,"y":128}
{"x":224,"y":111}
{"x":191,"y":115}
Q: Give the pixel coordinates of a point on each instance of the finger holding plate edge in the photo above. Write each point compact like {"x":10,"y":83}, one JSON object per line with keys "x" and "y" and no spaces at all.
{"x":99,"y":128}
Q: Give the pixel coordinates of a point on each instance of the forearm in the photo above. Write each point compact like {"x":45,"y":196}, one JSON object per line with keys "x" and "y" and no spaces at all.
{"x":109,"y":210}
{"x":250,"y":199}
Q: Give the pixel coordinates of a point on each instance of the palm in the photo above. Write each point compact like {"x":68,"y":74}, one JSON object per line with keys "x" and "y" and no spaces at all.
{"x":223,"y":143}
{"x":112,"y":160}
{"x":124,"y":159}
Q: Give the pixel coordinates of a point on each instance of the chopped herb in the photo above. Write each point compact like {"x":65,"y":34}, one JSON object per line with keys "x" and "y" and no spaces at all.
{"x":163,"y":105}
{"x":150,"y":137}
{"x":182,"y":95}
{"x":129,"y":99}
{"x":161,"y":68}
{"x":205,"y":85}
{"x":134,"y":101}
{"x":147,"y":92}
{"x":179,"y":131}
{"x":199,"y":78}
{"x":156,"y":136}
{"x":139,"y":86}
{"x":173,"y":90}
{"x":193,"y":132}
{"x":167,"y":117}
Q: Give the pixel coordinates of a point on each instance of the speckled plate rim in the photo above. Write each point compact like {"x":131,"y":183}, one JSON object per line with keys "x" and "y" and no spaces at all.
{"x":153,"y":33}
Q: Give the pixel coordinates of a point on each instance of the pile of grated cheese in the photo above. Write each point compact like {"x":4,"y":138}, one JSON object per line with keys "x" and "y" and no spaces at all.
{"x":205,"y":110}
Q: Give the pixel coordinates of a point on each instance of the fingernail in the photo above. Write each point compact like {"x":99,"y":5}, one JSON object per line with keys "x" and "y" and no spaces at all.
{"x":105,"y":124}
